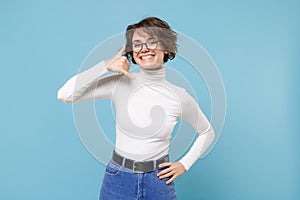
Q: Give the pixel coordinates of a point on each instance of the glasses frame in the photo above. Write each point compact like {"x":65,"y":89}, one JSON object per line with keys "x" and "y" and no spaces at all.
{"x":145,"y":43}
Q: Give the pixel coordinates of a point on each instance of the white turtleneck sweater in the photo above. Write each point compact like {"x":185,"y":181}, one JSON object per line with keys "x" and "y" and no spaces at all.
{"x":147,"y":109}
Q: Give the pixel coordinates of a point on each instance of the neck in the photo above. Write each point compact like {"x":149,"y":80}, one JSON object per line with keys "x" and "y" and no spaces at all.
{"x":155,"y":75}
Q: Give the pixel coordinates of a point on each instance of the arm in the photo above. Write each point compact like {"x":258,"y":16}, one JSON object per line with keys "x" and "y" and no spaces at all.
{"x":190,"y":112}
{"x":81,"y":87}
{"x":87,"y":86}
{"x":193,"y":114}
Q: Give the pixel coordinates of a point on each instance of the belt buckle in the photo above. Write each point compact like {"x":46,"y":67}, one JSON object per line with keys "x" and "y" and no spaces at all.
{"x":134,"y":167}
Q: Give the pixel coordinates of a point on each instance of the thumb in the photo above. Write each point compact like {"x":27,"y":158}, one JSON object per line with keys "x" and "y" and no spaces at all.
{"x":126,"y":73}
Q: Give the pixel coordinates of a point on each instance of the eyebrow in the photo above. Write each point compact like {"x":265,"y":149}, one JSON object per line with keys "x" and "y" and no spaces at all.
{"x":140,"y":40}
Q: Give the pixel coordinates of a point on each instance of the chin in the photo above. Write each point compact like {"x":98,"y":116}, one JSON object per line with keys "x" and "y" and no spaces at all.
{"x":150,"y":66}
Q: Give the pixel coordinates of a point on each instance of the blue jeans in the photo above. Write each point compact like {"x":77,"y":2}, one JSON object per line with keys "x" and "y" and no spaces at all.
{"x":120,"y":183}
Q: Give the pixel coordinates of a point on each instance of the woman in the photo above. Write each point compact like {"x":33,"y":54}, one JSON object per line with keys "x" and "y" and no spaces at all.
{"x":147,"y":109}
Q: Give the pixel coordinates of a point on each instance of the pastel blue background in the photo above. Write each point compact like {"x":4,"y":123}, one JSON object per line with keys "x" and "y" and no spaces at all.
{"x":255,"y":45}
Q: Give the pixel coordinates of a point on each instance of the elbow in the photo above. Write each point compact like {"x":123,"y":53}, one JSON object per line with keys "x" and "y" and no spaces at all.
{"x":63,"y":98}
{"x":212,"y":133}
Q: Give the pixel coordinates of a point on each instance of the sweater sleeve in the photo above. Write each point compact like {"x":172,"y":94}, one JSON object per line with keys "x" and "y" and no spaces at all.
{"x":88,"y":85}
{"x":193,"y":115}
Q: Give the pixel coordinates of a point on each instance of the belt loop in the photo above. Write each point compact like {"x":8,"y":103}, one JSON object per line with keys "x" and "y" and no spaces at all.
{"x":123,"y":161}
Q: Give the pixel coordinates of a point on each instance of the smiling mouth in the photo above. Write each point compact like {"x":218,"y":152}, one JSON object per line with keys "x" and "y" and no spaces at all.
{"x":147,"y":56}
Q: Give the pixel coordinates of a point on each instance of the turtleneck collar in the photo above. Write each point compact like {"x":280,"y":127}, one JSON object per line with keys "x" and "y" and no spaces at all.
{"x":153,"y":75}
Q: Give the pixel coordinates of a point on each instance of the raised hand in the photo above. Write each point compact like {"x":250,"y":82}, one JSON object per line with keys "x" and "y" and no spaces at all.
{"x":119,"y":63}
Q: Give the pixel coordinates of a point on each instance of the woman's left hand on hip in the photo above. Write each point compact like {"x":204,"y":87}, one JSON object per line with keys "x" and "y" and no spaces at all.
{"x":174,"y":170}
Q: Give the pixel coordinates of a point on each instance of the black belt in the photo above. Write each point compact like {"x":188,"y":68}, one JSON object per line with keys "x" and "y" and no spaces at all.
{"x":138,"y":166}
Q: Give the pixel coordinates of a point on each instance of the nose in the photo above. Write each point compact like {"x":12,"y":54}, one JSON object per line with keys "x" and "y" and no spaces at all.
{"x":144,"y":49}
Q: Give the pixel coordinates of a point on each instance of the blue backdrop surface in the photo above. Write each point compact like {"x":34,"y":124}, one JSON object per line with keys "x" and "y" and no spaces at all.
{"x":255,"y":45}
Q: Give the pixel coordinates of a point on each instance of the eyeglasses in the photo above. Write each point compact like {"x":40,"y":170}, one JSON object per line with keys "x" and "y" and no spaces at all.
{"x":150,"y":44}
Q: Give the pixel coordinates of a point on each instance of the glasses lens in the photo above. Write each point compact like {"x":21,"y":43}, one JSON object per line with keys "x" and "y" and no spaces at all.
{"x":152,"y":44}
{"x":136,"y":46}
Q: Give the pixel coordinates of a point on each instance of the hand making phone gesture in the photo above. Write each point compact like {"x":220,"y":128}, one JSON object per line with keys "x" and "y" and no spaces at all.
{"x":119,"y":63}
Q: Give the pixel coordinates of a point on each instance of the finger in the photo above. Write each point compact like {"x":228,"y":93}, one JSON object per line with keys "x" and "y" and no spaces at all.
{"x":130,"y":75}
{"x":123,"y":57}
{"x":165,"y":171}
{"x":124,"y":62}
{"x":170,"y":180}
{"x":167,"y":175}
{"x":165,"y":164}
{"x":127,"y":74}
{"x":127,"y":61}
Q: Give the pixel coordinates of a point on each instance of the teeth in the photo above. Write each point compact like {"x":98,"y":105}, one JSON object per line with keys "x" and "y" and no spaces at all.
{"x":147,"y":56}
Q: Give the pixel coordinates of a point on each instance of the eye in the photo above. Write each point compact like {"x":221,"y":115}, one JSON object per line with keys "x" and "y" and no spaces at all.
{"x":153,"y":42}
{"x":136,"y":45}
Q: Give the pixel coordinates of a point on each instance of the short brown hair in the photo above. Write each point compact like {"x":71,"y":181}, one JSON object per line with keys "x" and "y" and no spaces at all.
{"x":154,"y":27}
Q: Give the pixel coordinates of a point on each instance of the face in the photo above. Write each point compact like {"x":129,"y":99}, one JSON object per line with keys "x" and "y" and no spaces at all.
{"x":146,"y":58}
